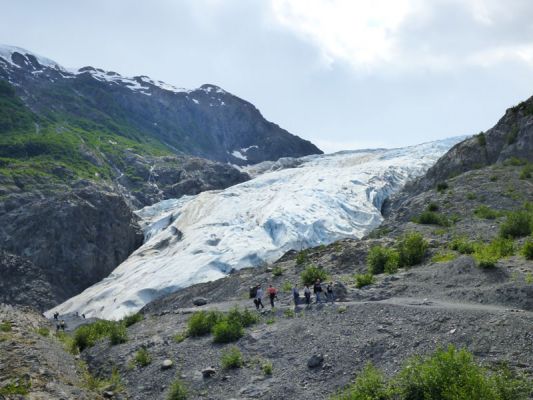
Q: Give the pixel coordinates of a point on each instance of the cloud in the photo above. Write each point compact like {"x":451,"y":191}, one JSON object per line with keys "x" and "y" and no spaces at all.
{"x":406,"y":35}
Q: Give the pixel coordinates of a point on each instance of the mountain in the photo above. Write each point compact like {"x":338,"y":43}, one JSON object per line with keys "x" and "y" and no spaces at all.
{"x":207,"y":122}
{"x":200,"y":238}
{"x":81,"y":149}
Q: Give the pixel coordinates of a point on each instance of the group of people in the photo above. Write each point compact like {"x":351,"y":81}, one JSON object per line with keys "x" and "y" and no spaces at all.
{"x":321,"y":295}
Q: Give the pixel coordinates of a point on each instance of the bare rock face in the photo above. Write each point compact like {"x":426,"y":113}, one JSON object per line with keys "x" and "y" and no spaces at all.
{"x":76,"y":237}
{"x":24,"y":283}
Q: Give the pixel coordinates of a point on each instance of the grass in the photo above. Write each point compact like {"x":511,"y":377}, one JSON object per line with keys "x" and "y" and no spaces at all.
{"x":527,"y":171}
{"x":277,"y":271}
{"x":45,"y":332}
{"x":289,"y":313}
{"x":129,"y":320}
{"x":142,"y":357}
{"x":14,"y":387}
{"x":529,"y":278}
{"x":231,"y":358}
{"x":286,"y":287}
{"x":447,"y":374}
{"x":177,"y":391}
{"x":487,"y":255}
{"x":312,"y":273}
{"x":362,"y":280}
{"x":180,"y":337}
{"x":267,"y":368}
{"x":443,"y":256}
{"x":96,"y":383}
{"x":462,"y":245}
{"x":270,"y":321}
{"x":432,"y":218}
{"x":486,"y":212}
{"x":471,"y":196}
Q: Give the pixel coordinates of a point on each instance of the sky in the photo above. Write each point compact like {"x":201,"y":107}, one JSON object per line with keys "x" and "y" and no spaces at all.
{"x":345,"y":74}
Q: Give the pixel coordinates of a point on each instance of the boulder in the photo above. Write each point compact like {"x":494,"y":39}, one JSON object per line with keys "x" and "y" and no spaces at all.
{"x":208,"y":372}
{"x":199,"y":301}
{"x":315,"y":361}
{"x":167,"y":364}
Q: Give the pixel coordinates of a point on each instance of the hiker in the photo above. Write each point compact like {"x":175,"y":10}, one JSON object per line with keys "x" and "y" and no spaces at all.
{"x":62,"y":325}
{"x":329,"y":293}
{"x":258,"y":297}
{"x":56,"y":315}
{"x":307,"y":294}
{"x":295,"y":295}
{"x":83,"y":316}
{"x":273,"y":294}
{"x":253,"y":295}
{"x":317,"y":290}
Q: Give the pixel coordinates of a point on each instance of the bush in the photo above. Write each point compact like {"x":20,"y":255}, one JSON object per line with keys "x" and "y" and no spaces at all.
{"x":231,"y":358}
{"x":486,"y":212}
{"x":177,"y":391}
{"x":43,"y":331}
{"x":286,"y":287}
{"x":514,"y":162}
{"x":380,"y":259}
{"x":312,"y":273}
{"x":370,"y":384}
{"x":471,"y":196}
{"x":526,"y":172}
{"x":277,"y":271}
{"x":267,"y":368}
{"x":227,"y":331}
{"x":5,"y":326}
{"x":244,"y":318}
{"x":412,"y":249}
{"x":432,"y":218}
{"x":129,"y":320}
{"x":453,"y":374}
{"x":487,"y":255}
{"x":433,"y":207}
{"x":512,"y":135}
{"x":481,"y":139}
{"x":362,"y":280}
{"x":87,"y":335}
{"x":502,"y":247}
{"x":444,"y":256}
{"x":142,"y":357}
{"x":202,"y":322}
{"x":289,"y":313}
{"x":517,"y":224}
{"x":462,"y":245}
{"x":301,"y":257}
{"x":180,"y":337}
{"x":527,"y":250}
{"x":442,"y":186}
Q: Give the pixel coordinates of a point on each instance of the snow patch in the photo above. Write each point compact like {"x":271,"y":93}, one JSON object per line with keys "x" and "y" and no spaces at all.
{"x":238,"y":154}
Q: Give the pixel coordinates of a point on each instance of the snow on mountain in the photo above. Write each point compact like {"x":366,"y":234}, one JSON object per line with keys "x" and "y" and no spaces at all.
{"x":201,"y":238}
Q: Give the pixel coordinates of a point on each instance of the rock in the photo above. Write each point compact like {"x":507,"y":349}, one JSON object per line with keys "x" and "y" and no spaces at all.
{"x":339,"y":291}
{"x":199,"y":301}
{"x":108,"y":394}
{"x":167,"y":364}
{"x":208,"y":372}
{"x":315,"y":361}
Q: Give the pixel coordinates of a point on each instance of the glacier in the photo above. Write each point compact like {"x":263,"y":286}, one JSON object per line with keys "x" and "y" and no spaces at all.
{"x":289,"y":204}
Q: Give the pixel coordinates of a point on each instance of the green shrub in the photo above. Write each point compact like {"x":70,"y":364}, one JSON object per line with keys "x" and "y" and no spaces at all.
{"x":227,"y":331}
{"x":512,"y":135}
{"x":87,"y":335}
{"x":362,"y":280}
{"x":412,"y":249}
{"x":142,"y":357}
{"x":202,"y":322}
{"x":432,"y":218}
{"x":18,"y":386}
{"x":289,"y":313}
{"x":471,"y":196}
{"x":286,"y":287}
{"x":487,"y":255}
{"x":502,"y":247}
{"x":481,"y":139}
{"x":244,"y":318}
{"x":514,"y":162}
{"x":267,"y":368}
{"x":527,"y":171}
{"x":129,"y":320}
{"x":277,"y":271}
{"x":486,"y":212}
{"x":177,"y":391}
{"x":370,"y":384}
{"x":5,"y":326}
{"x":312,"y":273}
{"x":453,"y":374}
{"x":517,"y":224}
{"x":381,"y":259}
{"x":442,"y":186}
{"x":180,"y":337}
{"x":433,"y":207}
{"x":302,"y":257}
{"x":231,"y":358}
{"x":493,"y":178}
{"x":462,"y":245}
{"x":527,"y":250}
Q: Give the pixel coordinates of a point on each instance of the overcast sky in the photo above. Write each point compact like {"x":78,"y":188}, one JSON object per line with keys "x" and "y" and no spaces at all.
{"x":343,"y":73}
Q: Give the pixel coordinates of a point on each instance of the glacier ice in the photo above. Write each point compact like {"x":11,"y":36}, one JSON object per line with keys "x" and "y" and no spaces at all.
{"x":290,"y":205}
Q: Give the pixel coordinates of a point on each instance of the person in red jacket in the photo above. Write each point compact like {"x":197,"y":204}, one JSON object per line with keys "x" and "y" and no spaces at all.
{"x":272,"y":294}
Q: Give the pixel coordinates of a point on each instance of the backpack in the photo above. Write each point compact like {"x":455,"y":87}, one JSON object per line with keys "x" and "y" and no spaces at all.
{"x":253,"y":292}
